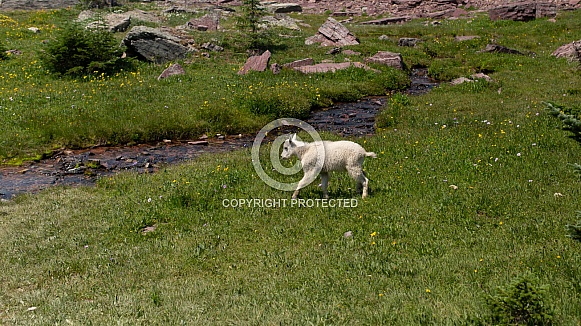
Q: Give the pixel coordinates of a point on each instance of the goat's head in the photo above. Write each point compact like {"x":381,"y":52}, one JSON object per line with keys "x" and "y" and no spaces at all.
{"x":289,"y":145}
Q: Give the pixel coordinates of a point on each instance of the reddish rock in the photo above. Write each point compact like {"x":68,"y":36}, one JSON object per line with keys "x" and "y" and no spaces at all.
{"x":204,"y":23}
{"x":299,"y":63}
{"x":390,"y":59}
{"x":332,"y":33}
{"x":256,"y":63}
{"x":175,"y":69}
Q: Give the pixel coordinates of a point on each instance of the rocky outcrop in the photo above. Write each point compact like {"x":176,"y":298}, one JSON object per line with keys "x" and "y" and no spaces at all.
{"x":571,"y":51}
{"x":523,"y":11}
{"x":393,"y":8}
{"x":152,"y":44}
{"x":332,"y":33}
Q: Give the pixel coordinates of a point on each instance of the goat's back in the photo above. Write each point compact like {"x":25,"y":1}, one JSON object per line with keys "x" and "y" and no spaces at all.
{"x":340,"y":155}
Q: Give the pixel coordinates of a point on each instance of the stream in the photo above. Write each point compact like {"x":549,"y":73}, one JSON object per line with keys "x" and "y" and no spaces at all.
{"x":84,"y":167}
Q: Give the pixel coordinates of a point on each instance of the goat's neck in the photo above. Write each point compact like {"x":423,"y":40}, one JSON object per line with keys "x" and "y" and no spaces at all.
{"x":300,"y":151}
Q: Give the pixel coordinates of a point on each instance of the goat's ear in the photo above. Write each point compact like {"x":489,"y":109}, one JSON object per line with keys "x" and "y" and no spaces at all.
{"x":293,"y":137}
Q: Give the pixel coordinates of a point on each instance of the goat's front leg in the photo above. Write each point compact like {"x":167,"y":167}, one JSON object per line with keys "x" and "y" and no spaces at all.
{"x":307,"y":178}
{"x":325,"y":183}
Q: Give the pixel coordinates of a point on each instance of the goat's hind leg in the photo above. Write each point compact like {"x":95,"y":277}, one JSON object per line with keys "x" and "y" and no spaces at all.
{"x":324,"y":184}
{"x":362,"y":181}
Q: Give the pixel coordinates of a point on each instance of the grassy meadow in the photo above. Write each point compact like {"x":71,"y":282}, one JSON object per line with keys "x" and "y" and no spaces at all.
{"x":472,"y":188}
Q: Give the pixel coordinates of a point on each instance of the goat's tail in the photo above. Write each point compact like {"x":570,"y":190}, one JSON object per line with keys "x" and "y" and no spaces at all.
{"x":371,"y":154}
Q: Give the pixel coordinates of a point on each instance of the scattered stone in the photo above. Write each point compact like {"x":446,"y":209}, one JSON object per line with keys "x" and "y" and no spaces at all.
{"x":149,"y":229}
{"x":387,"y":21}
{"x":256,"y":63}
{"x":571,"y":51}
{"x":35,"y":30}
{"x":408,"y":41}
{"x":387,"y":58}
{"x":113,"y":22}
{"x":465,"y":38}
{"x":523,"y":11}
{"x":299,"y":63}
{"x":331,"y":67}
{"x":332,"y":33}
{"x":175,"y":69}
{"x":383,"y":38}
{"x":153,"y":45}
{"x":280,"y":21}
{"x":350,"y":52}
{"x":461,"y":80}
{"x":495,"y":48}
{"x":459,"y":12}
{"x":439,"y":14}
{"x":472,"y":79}
{"x":118,"y":22}
{"x":481,"y":76}
{"x":348,"y":234}
{"x":343,"y":14}
{"x":14,"y":52}
{"x":280,"y":8}
{"x":333,"y":51}
{"x":144,"y":16}
{"x":212,"y":47}
{"x":199,"y":142}
{"x":209,"y":22}
{"x":275,"y":68}
{"x":178,"y":10}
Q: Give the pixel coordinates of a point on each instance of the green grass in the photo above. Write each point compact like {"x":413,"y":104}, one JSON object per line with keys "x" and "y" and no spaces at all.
{"x":472,"y":188}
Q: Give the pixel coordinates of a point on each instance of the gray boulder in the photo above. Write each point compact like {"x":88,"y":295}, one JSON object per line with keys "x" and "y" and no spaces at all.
{"x":571,"y":51}
{"x":408,"y":41}
{"x":280,"y":21}
{"x":387,"y":58}
{"x":153,"y":45}
{"x":282,"y":8}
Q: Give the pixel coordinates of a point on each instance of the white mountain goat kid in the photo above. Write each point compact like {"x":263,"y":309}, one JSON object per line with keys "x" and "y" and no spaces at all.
{"x":339,"y":156}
